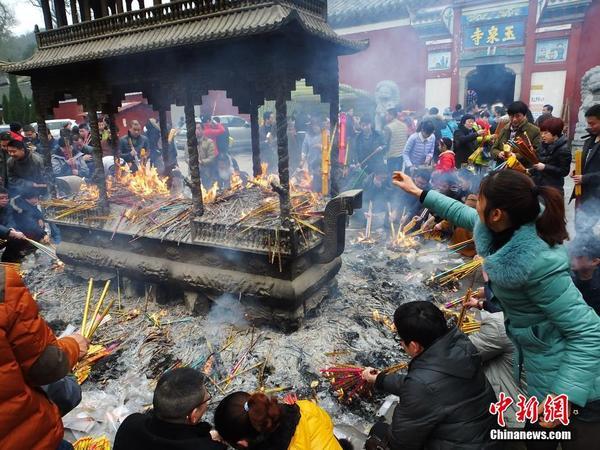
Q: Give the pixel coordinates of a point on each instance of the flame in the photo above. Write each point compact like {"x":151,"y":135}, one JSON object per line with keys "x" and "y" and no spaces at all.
{"x":89,"y":192}
{"x":145,"y":182}
{"x":403,"y":240}
{"x":264,"y":179}
{"x":210,"y":195}
{"x":302,"y":181}
{"x":235,"y":181}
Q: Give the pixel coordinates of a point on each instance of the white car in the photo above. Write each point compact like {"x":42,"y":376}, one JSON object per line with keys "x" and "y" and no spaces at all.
{"x":55,"y":125}
{"x":239,"y":130}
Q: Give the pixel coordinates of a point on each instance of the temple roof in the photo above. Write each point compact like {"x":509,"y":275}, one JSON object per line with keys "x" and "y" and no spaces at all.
{"x":344,"y":13}
{"x":157,"y":28}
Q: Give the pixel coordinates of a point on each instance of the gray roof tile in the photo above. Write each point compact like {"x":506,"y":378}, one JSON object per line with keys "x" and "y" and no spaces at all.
{"x":227,"y":25}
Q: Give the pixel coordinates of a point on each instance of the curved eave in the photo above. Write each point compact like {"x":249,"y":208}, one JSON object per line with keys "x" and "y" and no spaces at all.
{"x":201,"y":31}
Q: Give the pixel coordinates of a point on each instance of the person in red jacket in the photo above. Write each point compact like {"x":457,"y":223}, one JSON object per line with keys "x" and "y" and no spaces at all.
{"x":447,"y":159}
{"x":30,"y":357}
{"x":212,"y":130}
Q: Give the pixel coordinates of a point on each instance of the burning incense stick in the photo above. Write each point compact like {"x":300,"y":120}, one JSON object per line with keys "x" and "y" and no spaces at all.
{"x":369,"y":220}
{"x":100,"y":319}
{"x":97,"y":309}
{"x":463,"y":310}
{"x":458,"y":272}
{"x":87,"y":306}
{"x":46,"y":250}
{"x":460,"y":244}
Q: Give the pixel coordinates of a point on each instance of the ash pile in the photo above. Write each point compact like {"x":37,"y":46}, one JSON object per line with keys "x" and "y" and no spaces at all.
{"x":141,"y":339}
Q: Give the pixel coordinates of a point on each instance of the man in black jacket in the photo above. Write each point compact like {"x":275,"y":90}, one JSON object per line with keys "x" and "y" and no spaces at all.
{"x":444,"y":397}
{"x":134,"y":146}
{"x":29,"y":220}
{"x":588,"y":206}
{"x":180,"y":400}
{"x":8,"y":231}
{"x":25,"y":169}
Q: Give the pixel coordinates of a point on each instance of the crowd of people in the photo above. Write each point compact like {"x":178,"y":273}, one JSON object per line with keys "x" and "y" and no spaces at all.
{"x":539,"y":306}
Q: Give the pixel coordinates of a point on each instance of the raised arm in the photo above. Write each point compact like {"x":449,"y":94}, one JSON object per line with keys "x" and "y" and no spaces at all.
{"x":460,"y":215}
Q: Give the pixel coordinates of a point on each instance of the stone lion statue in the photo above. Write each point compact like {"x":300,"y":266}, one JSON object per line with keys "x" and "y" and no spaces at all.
{"x":387,"y":95}
{"x":590,"y":95}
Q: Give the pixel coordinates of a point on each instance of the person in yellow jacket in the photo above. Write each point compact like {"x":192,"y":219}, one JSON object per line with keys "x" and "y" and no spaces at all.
{"x":255,"y":421}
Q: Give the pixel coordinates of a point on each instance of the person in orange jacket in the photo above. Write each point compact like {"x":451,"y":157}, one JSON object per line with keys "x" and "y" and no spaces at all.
{"x":246,"y":421}
{"x":30,"y":357}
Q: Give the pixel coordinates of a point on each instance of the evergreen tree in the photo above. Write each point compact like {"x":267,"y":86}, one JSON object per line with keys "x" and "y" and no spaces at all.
{"x":18,"y":107}
{"x":29,"y":111}
{"x":5,"y":108}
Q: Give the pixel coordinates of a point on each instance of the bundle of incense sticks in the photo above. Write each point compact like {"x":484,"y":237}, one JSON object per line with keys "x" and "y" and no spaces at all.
{"x":43,"y":248}
{"x":347,"y":381}
{"x":90,"y":443}
{"x":525,"y":149}
{"x":453,"y":303}
{"x":578,"y":170}
{"x":88,"y":330}
{"x":513,"y":163}
{"x":458,"y":272}
{"x":460,"y":245}
{"x":469,"y":324}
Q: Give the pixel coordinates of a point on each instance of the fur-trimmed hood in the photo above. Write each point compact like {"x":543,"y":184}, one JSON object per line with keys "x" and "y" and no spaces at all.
{"x":511,"y":265}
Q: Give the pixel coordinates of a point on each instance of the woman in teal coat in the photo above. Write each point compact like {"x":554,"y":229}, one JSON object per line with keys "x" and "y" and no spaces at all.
{"x":556,"y":334}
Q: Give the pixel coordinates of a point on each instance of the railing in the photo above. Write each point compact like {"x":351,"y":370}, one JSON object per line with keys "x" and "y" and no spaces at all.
{"x":157,"y":15}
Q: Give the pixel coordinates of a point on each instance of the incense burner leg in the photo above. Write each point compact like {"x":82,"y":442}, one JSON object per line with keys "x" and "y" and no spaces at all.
{"x":282,"y":153}
{"x":254,"y":133}
{"x":196,"y":303}
{"x":164,"y":139}
{"x":99,"y":175}
{"x":194,"y":164}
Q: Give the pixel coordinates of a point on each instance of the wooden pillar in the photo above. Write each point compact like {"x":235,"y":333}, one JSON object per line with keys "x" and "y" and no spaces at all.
{"x":254,"y":134}
{"x":528,"y":60}
{"x":157,"y":2}
{"x":455,"y":60}
{"x":114,"y":143}
{"x":164,"y":140}
{"x":74,"y":15}
{"x":46,"y":152}
{"x":99,"y":176}
{"x":85,"y":11}
{"x":103,"y":8}
{"x":282,"y":153}
{"x":119,"y":4}
{"x":334,"y":111}
{"x":193,"y":163}
{"x":47,"y":14}
{"x":61,"y":13}
{"x":572,"y":82}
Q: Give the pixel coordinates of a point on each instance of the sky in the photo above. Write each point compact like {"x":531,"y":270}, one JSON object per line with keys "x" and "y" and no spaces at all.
{"x":26,"y":16}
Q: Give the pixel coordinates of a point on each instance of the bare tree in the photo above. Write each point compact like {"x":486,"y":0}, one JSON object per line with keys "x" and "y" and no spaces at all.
{"x":38,"y":4}
{"x":7,"y":20}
